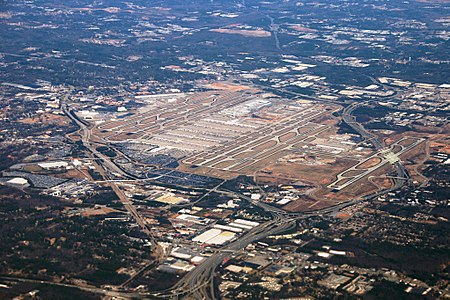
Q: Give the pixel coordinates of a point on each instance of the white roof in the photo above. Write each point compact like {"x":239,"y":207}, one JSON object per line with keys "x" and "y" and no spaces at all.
{"x":220,"y":239}
{"x":246,"y":227}
{"x":229,"y":228}
{"x":207,"y":235}
{"x":284,"y":201}
{"x":18,"y":180}
{"x":188,"y":217}
{"x":324,"y":254}
{"x":53,"y":164}
{"x":197,"y":259}
{"x":214,"y":236}
{"x":181,"y":255}
{"x":337,"y":252}
{"x":234,"y":268}
{"x":246,"y":222}
{"x":255,"y":196}
{"x":181,"y":265}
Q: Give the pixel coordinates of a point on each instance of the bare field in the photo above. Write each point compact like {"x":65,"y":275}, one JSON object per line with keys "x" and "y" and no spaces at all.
{"x":91,"y":212}
{"x":266,"y":145}
{"x":315,"y":175}
{"x":304,"y":205}
{"x":248,"y":33}
{"x":372,"y":162}
{"x":353,"y":173}
{"x":363,"y":186}
{"x":221,"y":134}
{"x":382,"y":182}
{"x":227,"y":86}
{"x":286,"y":137}
{"x":302,"y":28}
{"x":440,"y":146}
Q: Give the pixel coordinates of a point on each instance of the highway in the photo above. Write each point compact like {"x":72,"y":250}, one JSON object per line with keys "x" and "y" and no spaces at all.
{"x":104,"y":166}
{"x":402,"y":176}
{"x":382,"y":155}
{"x":351,"y":121}
{"x":274,"y":29}
{"x":101,"y":291}
{"x":199,"y":283}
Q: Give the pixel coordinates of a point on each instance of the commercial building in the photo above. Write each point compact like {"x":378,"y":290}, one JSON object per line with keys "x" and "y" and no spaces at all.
{"x":214,"y":237}
{"x":53,"y":165}
{"x":18,"y":182}
{"x":207,"y":235}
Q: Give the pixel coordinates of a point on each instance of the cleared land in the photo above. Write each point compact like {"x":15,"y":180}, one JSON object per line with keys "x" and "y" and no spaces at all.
{"x":236,"y":130}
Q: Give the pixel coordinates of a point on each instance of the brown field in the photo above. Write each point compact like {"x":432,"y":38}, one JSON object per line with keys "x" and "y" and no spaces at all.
{"x":125,"y":136}
{"x":217,"y":173}
{"x":396,"y":148}
{"x":75,"y":173}
{"x":405,"y":142}
{"x":315,"y":175}
{"x":440,"y":146}
{"x":167,"y":114}
{"x":32,"y":168}
{"x":307,"y":205}
{"x":309,"y":139}
{"x":343,"y":181}
{"x":416,"y":154}
{"x":300,"y":203}
{"x":353,"y":173}
{"x":263,"y":178}
{"x":253,"y":167}
{"x":302,"y":28}
{"x":33,"y":120}
{"x":227,"y":86}
{"x":326,"y":194}
{"x":242,"y":154}
{"x":364,"y":186}
{"x":151,"y":119}
{"x":47,"y":119}
{"x":74,"y":136}
{"x":286,"y":136}
{"x":248,"y":33}
{"x":413,"y":161}
{"x":208,"y":171}
{"x":382,"y":183}
{"x":343,"y":216}
{"x":370,"y":163}
{"x":326,"y":133}
{"x":90,"y":212}
{"x":265,"y":145}
{"x":224,"y":164}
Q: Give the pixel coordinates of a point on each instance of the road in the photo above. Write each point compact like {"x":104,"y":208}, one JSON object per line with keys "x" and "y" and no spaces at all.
{"x":351,"y":121}
{"x":105,"y":166}
{"x":274,"y":29}
{"x":101,"y":291}
{"x":402,"y":176}
{"x":199,"y":283}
